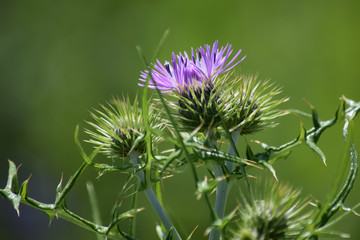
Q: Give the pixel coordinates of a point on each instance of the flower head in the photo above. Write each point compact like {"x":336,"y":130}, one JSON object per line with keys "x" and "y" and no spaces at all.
{"x":119,"y":128}
{"x":272,"y":211}
{"x":177,"y":75}
{"x":212,"y":62}
{"x":183,"y":73}
{"x":195,"y":79}
{"x":250,"y":105}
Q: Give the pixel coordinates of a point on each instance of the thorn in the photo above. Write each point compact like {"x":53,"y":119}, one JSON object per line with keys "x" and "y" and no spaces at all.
{"x":309,"y":104}
{"x":18,"y":167}
{"x":324,"y":161}
{"x":274,"y":174}
{"x":354,"y":212}
{"x":192,"y":232}
{"x":61,"y":179}
{"x":29,"y":177}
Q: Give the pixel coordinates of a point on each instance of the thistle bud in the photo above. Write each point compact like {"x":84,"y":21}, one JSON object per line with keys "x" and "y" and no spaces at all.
{"x":273,"y":211}
{"x":250,"y":105}
{"x":198,"y":106}
{"x":119,"y":128}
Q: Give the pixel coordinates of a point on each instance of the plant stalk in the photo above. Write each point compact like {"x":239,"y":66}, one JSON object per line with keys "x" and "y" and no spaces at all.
{"x":151,"y":196}
{"x":222,"y":186}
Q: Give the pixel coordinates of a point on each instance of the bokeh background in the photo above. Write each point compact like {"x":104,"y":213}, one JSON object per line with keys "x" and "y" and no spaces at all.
{"x":60,"y":59}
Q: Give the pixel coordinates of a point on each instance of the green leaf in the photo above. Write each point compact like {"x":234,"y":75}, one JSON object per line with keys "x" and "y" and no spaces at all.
{"x":59,"y":187}
{"x":280,"y":156}
{"x":311,"y":143}
{"x":339,"y":194}
{"x":24,"y":189}
{"x":315,"y":117}
{"x":11,"y":191}
{"x":81,"y":150}
{"x":161,"y":43}
{"x":221,"y":223}
{"x":269,"y":167}
{"x":205,"y":186}
{"x":16,"y":199}
{"x":94,"y":206}
{"x":121,"y":217}
{"x":12,"y":183}
{"x":170,"y":234}
{"x":249,"y":152}
{"x":219,"y":156}
{"x":61,"y":196}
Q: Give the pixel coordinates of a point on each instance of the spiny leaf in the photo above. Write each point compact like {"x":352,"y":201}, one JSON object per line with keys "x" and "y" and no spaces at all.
{"x":81,"y":150}
{"x":315,"y":116}
{"x":59,"y":186}
{"x":205,"y":186}
{"x":122,"y":217}
{"x":274,"y":159}
{"x":221,"y":223}
{"x":269,"y":167}
{"x":216,"y":155}
{"x":24,"y":188}
{"x":12,"y":183}
{"x":302,"y":134}
{"x":16,"y":199}
{"x":60,"y":197}
{"x":11,"y":191}
{"x":311,"y":143}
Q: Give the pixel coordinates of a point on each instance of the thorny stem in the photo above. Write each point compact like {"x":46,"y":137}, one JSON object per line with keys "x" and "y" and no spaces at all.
{"x":134,"y":157}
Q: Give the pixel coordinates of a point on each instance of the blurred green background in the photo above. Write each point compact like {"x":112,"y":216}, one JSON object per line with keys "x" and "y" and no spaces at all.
{"x":60,"y":59}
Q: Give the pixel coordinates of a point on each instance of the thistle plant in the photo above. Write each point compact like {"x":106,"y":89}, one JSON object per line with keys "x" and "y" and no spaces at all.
{"x":200,"y":107}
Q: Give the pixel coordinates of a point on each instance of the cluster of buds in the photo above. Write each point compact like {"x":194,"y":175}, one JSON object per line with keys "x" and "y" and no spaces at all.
{"x":204,"y":93}
{"x":207,"y":93}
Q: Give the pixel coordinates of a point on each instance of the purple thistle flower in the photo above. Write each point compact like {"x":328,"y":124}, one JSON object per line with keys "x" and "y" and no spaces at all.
{"x":211,"y":62}
{"x":205,"y":65}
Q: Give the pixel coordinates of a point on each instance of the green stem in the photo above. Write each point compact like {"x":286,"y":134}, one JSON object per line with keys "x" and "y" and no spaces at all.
{"x":69,"y":216}
{"x":222,"y":186}
{"x":70,"y":184}
{"x":132,"y":221}
{"x":134,"y":157}
{"x":232,"y":147}
{"x":94,"y":206}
